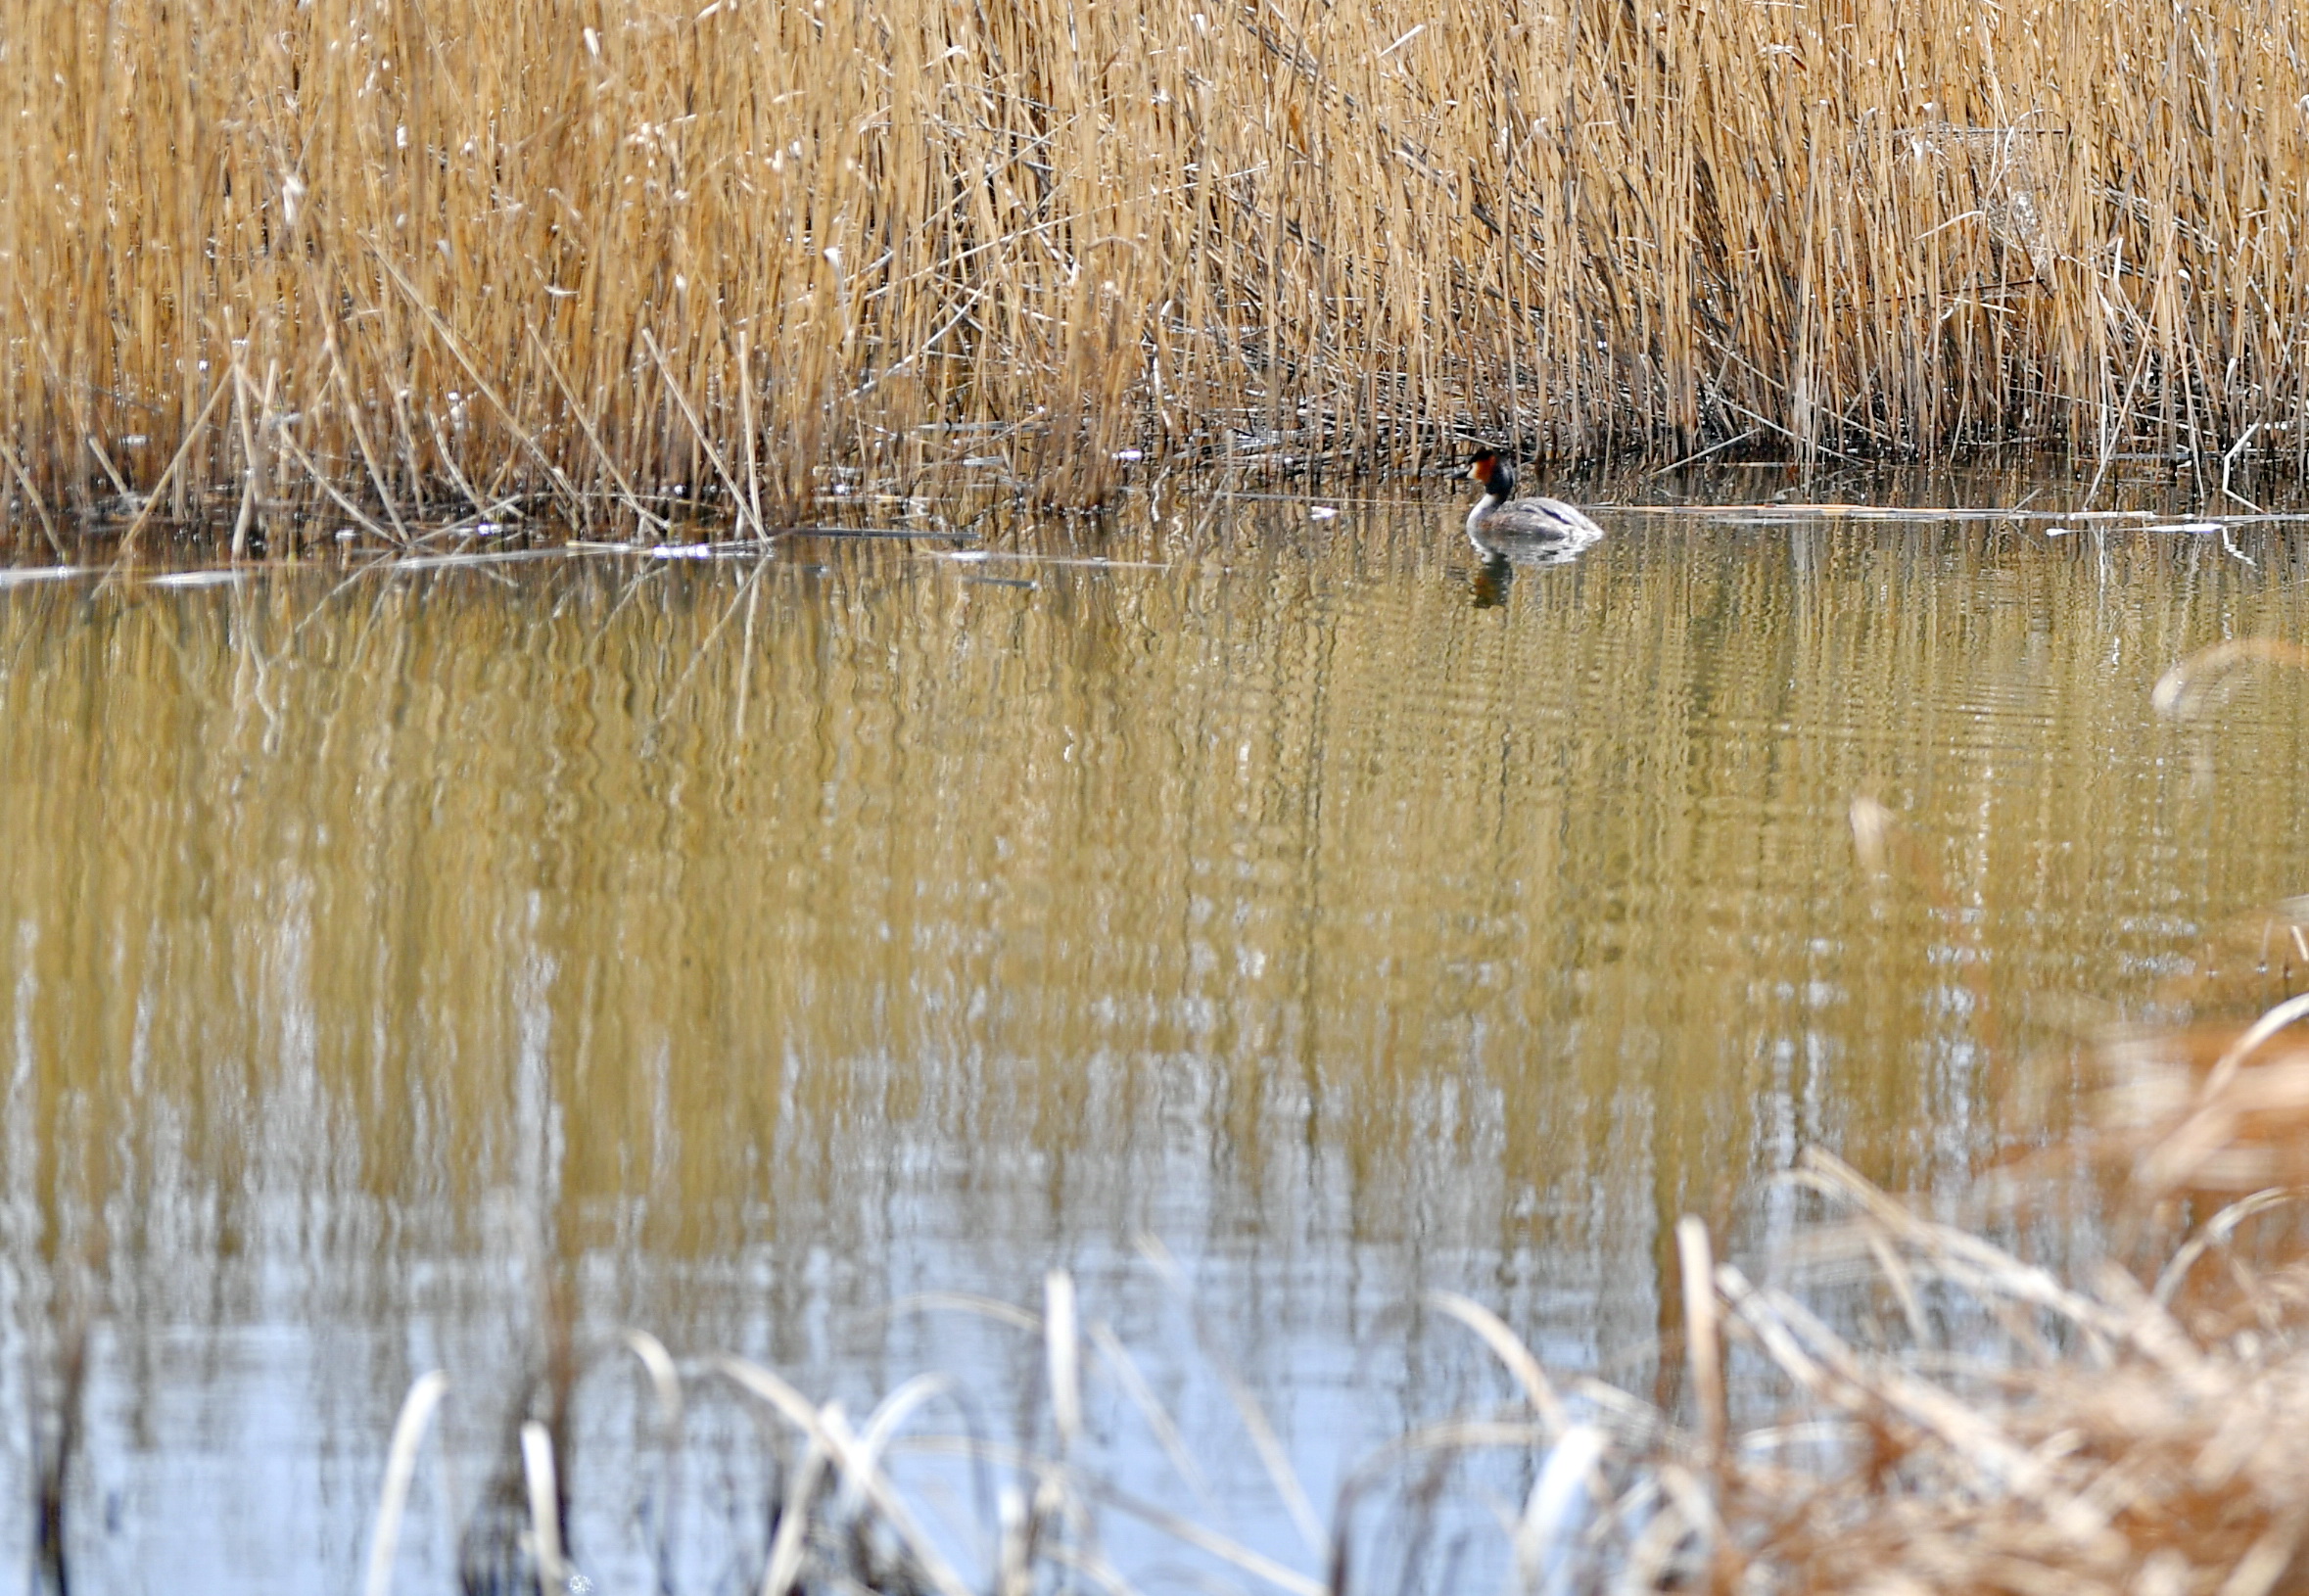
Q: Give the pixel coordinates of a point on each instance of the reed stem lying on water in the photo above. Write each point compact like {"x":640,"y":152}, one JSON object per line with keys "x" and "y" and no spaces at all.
{"x":553,"y":254}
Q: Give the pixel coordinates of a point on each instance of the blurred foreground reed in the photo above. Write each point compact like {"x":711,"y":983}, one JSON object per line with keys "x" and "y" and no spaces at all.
{"x":1906,"y":1408}
{"x":383,"y":263}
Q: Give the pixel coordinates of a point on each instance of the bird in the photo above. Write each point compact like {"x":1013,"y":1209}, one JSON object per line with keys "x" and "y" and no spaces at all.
{"x":1503,"y":524}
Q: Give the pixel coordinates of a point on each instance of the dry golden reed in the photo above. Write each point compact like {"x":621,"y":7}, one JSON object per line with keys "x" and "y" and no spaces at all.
{"x":392,"y":260}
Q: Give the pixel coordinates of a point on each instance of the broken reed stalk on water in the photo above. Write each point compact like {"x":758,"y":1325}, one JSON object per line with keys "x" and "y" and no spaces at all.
{"x":1934,"y":1414}
{"x":604,"y":254}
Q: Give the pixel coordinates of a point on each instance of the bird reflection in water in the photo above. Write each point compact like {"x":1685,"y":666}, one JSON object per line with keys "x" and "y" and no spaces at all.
{"x":1494,"y":579}
{"x":1495,"y":570}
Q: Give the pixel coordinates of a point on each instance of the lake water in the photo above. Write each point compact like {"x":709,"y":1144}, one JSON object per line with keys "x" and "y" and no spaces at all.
{"x":405,"y":966}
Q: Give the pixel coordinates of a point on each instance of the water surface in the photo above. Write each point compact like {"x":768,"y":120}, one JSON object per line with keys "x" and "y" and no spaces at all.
{"x":733,"y":948}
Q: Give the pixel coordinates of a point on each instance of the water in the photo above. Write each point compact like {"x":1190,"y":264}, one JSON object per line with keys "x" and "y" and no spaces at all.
{"x":398,"y":964}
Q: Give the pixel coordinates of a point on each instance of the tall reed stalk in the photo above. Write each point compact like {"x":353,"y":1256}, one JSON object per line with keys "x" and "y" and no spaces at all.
{"x":398,"y":258}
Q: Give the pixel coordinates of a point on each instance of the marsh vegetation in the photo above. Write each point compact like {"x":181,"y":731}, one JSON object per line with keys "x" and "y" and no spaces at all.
{"x":385,"y":262}
{"x":526,"y":955}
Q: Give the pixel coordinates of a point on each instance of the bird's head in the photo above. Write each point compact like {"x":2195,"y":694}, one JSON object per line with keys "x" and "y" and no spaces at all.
{"x":1490,"y":468}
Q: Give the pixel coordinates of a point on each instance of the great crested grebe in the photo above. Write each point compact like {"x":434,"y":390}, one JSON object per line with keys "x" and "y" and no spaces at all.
{"x":1500,"y":520}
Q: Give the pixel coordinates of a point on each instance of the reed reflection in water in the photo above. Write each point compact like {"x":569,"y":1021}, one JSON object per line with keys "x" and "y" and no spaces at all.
{"x":769,"y":941}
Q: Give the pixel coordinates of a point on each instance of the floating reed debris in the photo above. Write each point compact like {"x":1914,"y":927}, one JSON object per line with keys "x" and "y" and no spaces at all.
{"x":374,"y":261}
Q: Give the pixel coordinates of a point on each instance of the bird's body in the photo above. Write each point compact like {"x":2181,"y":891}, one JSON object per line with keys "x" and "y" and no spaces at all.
{"x":1501,"y":524}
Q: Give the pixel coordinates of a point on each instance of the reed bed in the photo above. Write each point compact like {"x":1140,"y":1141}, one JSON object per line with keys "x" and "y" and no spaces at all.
{"x":382,"y":262}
